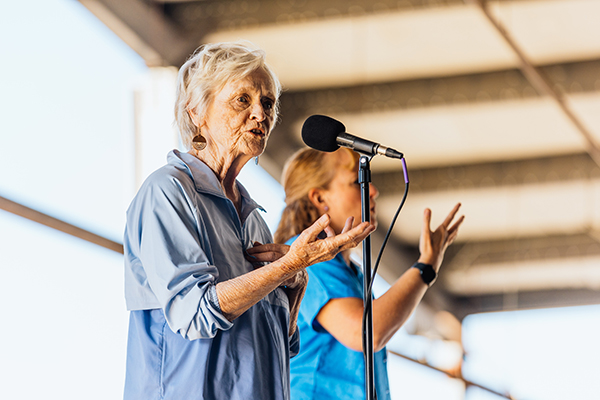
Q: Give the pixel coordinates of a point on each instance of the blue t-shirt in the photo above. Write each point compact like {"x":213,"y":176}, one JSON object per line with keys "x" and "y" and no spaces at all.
{"x":325,"y":368}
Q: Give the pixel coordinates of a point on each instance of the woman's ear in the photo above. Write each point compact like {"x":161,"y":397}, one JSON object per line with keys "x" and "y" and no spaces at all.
{"x":317,"y":198}
{"x":193,"y":116}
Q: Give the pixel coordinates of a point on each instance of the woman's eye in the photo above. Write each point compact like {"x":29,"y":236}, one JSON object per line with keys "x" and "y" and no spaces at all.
{"x":268,"y":105}
{"x":242,"y":99}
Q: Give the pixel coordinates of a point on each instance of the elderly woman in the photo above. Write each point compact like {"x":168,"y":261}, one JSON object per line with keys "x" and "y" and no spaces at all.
{"x":204,"y":323}
{"x":330,"y":364}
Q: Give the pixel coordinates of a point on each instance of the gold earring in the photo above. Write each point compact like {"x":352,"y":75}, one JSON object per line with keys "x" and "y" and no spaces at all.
{"x":199,"y":141}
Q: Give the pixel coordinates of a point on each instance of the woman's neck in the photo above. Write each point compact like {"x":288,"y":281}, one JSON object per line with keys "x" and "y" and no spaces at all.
{"x":226,"y":167}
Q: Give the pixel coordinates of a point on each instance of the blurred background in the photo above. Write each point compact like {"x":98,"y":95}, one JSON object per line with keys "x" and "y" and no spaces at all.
{"x":495,"y":104}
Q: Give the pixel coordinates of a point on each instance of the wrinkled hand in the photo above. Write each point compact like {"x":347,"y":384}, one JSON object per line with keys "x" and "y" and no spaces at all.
{"x":308,"y":249}
{"x":265,"y":253}
{"x":433,"y":245}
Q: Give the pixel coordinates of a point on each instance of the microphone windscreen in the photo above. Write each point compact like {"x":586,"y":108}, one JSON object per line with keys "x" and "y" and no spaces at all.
{"x":320,"y":132}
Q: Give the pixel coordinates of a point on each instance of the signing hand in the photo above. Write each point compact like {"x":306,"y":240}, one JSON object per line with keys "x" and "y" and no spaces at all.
{"x":432,"y":245}
{"x":308,"y":249}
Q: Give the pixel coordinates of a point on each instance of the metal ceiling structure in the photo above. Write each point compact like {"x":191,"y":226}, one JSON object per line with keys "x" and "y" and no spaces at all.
{"x":494,"y":103}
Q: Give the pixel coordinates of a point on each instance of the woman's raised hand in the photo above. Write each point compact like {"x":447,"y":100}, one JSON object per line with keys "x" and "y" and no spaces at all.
{"x":308,"y":249}
{"x":433,"y":244}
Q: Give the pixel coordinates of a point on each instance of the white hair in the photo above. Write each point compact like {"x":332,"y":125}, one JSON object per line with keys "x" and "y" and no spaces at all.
{"x":207,"y":71}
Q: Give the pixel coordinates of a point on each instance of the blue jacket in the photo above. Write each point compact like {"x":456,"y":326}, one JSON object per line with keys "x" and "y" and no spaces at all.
{"x":182,"y":237}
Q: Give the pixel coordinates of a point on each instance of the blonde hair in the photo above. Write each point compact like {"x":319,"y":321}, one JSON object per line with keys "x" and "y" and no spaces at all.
{"x":207,"y":71}
{"x":305,"y":170}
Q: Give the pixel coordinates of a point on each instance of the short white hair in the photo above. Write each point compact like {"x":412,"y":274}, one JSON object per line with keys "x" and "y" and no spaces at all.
{"x":207,"y":71}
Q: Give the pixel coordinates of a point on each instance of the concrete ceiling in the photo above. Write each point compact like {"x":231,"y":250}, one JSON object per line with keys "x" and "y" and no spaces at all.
{"x":494,"y":103}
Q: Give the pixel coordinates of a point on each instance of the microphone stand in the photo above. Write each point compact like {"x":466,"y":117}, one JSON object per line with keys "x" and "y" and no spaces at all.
{"x":364,"y":179}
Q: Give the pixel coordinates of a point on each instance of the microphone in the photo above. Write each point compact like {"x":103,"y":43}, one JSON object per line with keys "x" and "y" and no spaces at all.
{"x":327,"y":134}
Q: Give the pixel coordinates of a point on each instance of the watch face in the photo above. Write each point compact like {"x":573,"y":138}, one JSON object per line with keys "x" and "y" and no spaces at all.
{"x":427,"y":273}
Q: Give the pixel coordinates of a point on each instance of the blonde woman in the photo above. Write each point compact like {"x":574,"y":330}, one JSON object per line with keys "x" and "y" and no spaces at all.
{"x":330,"y":364}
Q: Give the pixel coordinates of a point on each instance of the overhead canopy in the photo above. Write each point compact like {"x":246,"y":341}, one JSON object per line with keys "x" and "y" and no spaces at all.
{"x":494,"y":103}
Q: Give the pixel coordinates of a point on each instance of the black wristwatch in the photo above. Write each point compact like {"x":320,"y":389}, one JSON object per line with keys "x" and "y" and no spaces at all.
{"x":427,"y":272}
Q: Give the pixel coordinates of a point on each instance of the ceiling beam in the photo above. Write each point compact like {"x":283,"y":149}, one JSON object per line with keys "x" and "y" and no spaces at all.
{"x":502,"y":212}
{"x":570,"y":78}
{"x":525,"y":275}
{"x":145,"y":29}
{"x":511,"y":301}
{"x":541,"y":82}
{"x":234,"y":14}
{"x":54,"y":223}
{"x":562,"y":168}
{"x":420,"y":94}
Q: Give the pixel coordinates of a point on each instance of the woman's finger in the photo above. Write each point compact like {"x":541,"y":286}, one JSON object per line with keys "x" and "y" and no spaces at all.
{"x":348,"y":224}
{"x":456,"y":225}
{"x":265,"y":257}
{"x":311,"y":233}
{"x":354,"y":236}
{"x":451,"y":215}
{"x":267,"y":253}
{"x":256,"y":263}
{"x":426,"y":228}
{"x":256,"y":249}
{"x":329,"y":231}
{"x":269,"y":247}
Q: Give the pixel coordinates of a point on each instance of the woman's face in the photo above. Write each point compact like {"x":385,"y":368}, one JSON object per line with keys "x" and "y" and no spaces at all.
{"x":240,"y":117}
{"x":343,"y":196}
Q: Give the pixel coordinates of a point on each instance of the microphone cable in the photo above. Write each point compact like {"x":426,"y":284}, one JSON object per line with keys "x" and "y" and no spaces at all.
{"x":369,"y":297}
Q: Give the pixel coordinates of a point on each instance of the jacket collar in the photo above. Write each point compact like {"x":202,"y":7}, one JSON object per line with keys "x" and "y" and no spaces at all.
{"x":205,"y":180}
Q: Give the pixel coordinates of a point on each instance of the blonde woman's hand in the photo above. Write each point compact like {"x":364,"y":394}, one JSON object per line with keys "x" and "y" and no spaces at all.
{"x":433,"y":244}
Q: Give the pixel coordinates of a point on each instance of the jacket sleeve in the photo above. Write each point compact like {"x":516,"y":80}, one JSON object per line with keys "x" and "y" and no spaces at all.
{"x":176,"y":266}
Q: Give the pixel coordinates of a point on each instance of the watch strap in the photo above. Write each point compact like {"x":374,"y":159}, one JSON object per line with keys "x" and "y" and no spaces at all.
{"x":428,"y":274}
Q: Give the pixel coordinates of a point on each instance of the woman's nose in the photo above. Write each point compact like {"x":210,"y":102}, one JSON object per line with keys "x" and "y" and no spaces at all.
{"x":373,"y":192}
{"x":258,"y":112}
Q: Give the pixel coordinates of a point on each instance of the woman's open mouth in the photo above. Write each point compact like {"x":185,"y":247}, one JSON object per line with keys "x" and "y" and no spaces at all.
{"x":257,"y":131}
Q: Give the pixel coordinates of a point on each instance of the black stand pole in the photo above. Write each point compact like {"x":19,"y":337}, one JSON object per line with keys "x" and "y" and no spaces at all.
{"x":364,"y":179}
